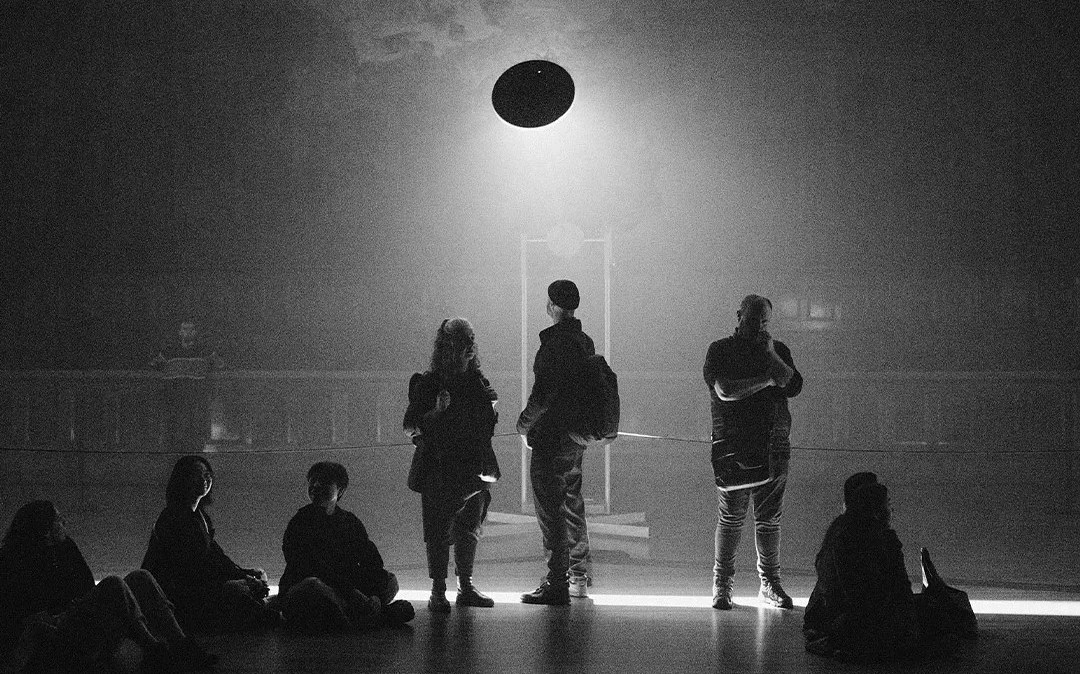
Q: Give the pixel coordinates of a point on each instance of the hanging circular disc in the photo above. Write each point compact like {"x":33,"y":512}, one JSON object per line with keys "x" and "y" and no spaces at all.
{"x":533,"y":93}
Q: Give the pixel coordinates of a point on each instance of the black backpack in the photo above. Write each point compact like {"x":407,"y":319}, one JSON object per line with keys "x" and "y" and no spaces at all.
{"x":597,"y":418}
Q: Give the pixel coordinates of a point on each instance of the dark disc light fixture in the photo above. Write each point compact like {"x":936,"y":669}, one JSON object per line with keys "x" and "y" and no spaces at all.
{"x":533,"y":93}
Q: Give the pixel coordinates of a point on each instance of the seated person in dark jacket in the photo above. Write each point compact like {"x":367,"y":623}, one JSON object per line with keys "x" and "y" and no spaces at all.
{"x":862,"y":606}
{"x":334,"y":576}
{"x":210,"y":591}
{"x":54,"y":618}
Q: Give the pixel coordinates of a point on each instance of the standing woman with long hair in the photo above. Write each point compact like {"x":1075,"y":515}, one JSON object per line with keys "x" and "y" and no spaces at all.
{"x":210,"y":590}
{"x":452,"y":413}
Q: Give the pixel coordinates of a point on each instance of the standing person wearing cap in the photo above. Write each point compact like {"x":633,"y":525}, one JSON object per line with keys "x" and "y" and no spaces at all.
{"x":750,"y":378}
{"x":555,"y":467}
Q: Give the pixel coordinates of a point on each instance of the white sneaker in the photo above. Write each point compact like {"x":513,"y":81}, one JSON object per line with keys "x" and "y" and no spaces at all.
{"x":579,"y":586}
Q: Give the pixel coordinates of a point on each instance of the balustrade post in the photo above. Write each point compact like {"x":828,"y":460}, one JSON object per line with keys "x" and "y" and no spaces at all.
{"x":886,"y":421}
{"x":1074,"y":465}
{"x":929,"y":425}
{"x":380,"y":394}
{"x":26,"y":425}
{"x":333,"y":416}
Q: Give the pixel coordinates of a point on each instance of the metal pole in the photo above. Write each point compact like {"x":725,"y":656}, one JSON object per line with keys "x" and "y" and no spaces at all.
{"x":607,"y":356}
{"x":524,"y":361}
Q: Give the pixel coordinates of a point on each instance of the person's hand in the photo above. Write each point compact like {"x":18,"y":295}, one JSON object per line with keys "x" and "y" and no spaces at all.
{"x":41,"y":620}
{"x":240,"y":586}
{"x":780,"y":372}
{"x":443,"y":401}
{"x":258,"y":587}
{"x":783,"y":377}
{"x":361,"y":604}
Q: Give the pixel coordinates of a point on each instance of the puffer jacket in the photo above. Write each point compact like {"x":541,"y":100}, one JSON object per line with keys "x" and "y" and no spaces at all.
{"x":459,"y":437}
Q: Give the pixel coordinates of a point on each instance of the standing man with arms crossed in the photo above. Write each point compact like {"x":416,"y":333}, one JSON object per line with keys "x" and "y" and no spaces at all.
{"x":555,"y":467}
{"x":750,"y":377}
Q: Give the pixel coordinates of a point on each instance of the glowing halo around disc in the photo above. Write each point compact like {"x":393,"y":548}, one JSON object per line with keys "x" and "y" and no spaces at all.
{"x":533,"y":93}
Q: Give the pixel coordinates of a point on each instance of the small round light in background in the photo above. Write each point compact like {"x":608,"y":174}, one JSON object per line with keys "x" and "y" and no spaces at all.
{"x":565,"y":239}
{"x":533,"y":93}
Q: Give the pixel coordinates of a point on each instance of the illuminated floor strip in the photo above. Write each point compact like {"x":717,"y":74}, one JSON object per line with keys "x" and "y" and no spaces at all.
{"x":1025,"y":607}
{"x":981,"y":606}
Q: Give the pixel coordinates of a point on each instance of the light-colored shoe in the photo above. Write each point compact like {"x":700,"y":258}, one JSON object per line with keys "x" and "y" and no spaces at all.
{"x":772,"y":594}
{"x":721,"y":593}
{"x":579,"y":586}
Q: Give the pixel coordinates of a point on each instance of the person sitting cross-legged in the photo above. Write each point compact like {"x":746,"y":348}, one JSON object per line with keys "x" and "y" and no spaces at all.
{"x":334,"y":576}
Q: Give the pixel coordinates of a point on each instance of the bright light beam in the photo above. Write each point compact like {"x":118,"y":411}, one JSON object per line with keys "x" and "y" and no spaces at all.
{"x":1030,"y":607}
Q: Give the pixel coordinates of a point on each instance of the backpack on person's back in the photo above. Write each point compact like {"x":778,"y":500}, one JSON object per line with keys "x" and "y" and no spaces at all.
{"x":597,"y":418}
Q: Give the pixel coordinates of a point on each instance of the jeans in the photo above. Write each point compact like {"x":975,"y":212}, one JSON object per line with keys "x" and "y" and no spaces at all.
{"x":118,"y":620}
{"x":768,"y":507}
{"x":555,"y":469}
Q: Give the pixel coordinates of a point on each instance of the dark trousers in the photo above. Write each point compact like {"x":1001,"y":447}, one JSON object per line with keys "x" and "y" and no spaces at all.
{"x":452,"y":517}
{"x":95,"y":626}
{"x":555,"y":469}
{"x":186,"y":404}
{"x":313,"y":606}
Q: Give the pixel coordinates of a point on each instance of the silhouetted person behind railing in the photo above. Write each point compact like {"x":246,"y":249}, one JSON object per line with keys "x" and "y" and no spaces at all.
{"x":862,"y":607}
{"x":334,"y":575}
{"x":64,"y":622}
{"x":451,"y":418}
{"x":210,"y":590}
{"x":186,"y":363}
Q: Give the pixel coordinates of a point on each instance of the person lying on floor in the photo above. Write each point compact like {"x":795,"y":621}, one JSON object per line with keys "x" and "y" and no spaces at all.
{"x":211,"y":591}
{"x":862,"y":606}
{"x":53,"y":618}
{"x":334,"y":576}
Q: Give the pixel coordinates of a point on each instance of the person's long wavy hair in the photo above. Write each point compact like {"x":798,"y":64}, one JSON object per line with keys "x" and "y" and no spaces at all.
{"x":453,"y":336}
{"x":30,"y":526}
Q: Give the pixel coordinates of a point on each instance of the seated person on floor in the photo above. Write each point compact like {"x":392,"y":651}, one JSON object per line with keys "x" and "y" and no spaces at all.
{"x":54,"y":618}
{"x":334,"y":576}
{"x":211,"y":591}
{"x":862,"y":606}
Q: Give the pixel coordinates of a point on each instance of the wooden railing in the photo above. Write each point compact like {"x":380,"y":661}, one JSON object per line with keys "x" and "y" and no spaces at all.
{"x":982,"y":467}
{"x":116,"y":410}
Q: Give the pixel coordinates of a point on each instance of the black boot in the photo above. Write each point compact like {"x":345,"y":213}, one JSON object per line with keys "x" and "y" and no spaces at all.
{"x":437,"y":603}
{"x":468,"y":595}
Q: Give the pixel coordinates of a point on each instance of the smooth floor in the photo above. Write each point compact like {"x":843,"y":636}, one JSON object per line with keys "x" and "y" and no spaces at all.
{"x":643,"y":617}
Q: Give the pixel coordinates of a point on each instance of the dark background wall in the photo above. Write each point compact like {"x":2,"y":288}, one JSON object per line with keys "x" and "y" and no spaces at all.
{"x":321,"y":182}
